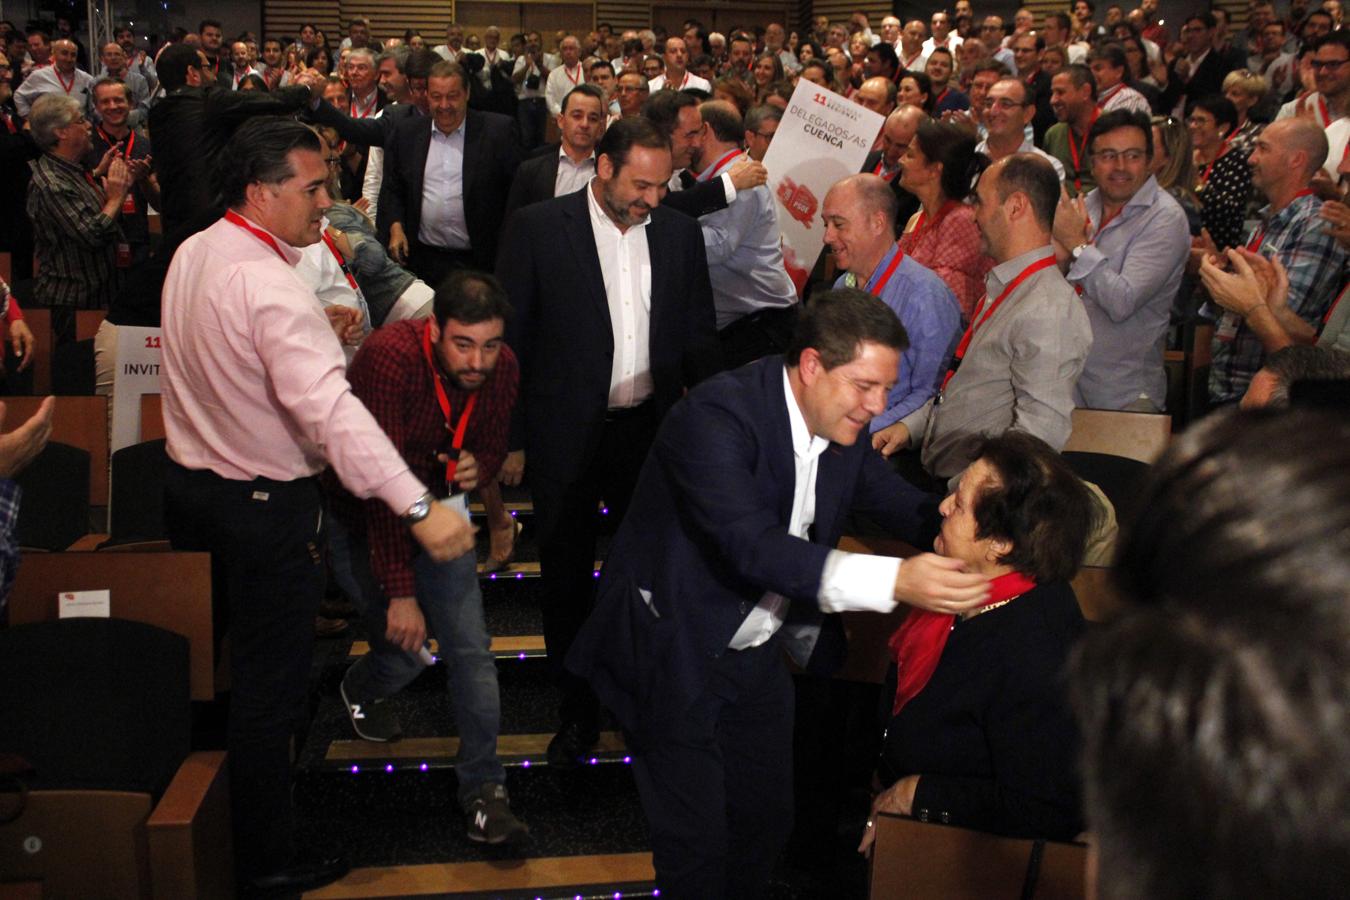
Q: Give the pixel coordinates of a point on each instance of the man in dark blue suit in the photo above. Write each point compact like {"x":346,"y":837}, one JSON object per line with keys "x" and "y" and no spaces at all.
{"x":614,"y":321}
{"x":725,"y":560}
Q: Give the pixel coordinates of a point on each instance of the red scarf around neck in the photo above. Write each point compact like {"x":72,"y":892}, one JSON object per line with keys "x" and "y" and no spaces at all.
{"x":917,"y":644}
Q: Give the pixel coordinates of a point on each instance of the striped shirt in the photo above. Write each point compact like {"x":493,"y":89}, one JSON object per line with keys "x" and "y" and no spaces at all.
{"x":76,"y":243}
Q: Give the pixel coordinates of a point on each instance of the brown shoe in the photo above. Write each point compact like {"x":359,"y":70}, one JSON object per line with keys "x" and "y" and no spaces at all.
{"x":326,"y":628}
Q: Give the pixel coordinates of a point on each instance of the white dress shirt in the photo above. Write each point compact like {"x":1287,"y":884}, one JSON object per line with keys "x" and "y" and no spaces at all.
{"x":572,"y":176}
{"x":625,"y":264}
{"x":443,"y":224}
{"x":690,"y":80}
{"x":320,"y":270}
{"x":850,"y":581}
{"x":560,"y":83}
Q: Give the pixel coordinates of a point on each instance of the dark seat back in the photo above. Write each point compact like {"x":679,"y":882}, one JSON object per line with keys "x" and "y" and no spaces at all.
{"x":136,"y":511}
{"x":54,"y":511}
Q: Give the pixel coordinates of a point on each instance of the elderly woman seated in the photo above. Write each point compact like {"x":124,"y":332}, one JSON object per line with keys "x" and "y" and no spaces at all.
{"x":980,"y":733}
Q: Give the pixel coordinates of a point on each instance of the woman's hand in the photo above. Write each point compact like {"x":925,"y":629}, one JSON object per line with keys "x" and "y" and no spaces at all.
{"x":897,"y":799}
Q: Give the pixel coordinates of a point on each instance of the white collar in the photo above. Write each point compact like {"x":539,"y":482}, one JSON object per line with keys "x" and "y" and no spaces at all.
{"x":804,"y":444}
{"x":601,"y":219}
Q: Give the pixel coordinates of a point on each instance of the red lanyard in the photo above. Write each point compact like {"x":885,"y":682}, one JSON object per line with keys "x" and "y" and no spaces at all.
{"x":342,"y":262}
{"x":235,"y":219}
{"x":891,"y":177}
{"x":1322,"y":108}
{"x":94,"y":184}
{"x":1106,"y":220}
{"x":886,"y":275}
{"x":1075,"y":152}
{"x":1223,"y":148}
{"x":937,"y":220}
{"x":441,"y":398}
{"x":909,"y":63}
{"x":1254,"y":245}
{"x":577,"y":78}
{"x":359,"y":113}
{"x":131,"y":141}
{"x":942,"y":96}
{"x":68,"y":87}
{"x":1038,"y":265}
{"x":717,"y":167}
{"x":9,"y":123}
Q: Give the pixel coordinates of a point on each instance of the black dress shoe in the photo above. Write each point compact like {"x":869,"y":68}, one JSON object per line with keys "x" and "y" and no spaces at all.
{"x":571,"y":745}
{"x":305,"y":874}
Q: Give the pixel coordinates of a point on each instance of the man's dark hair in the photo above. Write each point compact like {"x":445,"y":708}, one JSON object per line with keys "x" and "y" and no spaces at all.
{"x":989,"y":64}
{"x":1336,"y":38}
{"x":1036,"y":503}
{"x":1080,"y":75}
{"x":470,"y":297}
{"x":173,"y":64}
{"x":105,"y":81}
{"x":1032,"y":175}
{"x":421,"y":62}
{"x":1316,"y":12}
{"x":1062,"y":18}
{"x":1123,"y":118}
{"x":836,"y":325}
{"x":886,"y":55}
{"x":209,"y":23}
{"x":1111,"y":53}
{"x":954,"y":146}
{"x":1298,"y":363}
{"x":1223,"y":685}
{"x":444,"y":69}
{"x":586,"y":90}
{"x":662,"y":109}
{"x":597,"y":63}
{"x":724,"y":122}
{"x":256,"y":154}
{"x":1220,"y":107}
{"x":625,"y":134}
{"x":1204,"y":17}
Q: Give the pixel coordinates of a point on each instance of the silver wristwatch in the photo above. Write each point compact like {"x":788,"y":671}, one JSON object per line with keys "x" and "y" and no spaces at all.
{"x":420,"y":509}
{"x":1078,"y":251}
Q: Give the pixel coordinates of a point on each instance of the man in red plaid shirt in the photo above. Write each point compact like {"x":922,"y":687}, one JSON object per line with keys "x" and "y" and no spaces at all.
{"x":442,"y":389}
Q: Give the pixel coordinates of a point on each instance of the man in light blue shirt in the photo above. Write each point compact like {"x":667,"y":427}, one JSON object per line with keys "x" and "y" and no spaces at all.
{"x":859,"y":214}
{"x":755,"y":300}
{"x":1124,"y":249}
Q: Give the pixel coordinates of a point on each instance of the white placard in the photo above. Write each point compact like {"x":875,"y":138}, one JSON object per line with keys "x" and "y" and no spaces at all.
{"x":84,"y":604}
{"x":822,"y":139}
{"x":137,"y":373}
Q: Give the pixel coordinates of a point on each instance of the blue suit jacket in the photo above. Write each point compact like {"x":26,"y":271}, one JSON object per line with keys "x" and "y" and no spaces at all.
{"x":706,"y":536}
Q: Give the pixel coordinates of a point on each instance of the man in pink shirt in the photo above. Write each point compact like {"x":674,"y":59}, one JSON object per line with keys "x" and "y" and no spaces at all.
{"x":256,"y":404}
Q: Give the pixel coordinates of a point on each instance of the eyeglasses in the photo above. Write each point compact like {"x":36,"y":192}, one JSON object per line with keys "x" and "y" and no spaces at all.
{"x":1110,"y":157}
{"x":332,"y":161}
{"x":1327,"y":63}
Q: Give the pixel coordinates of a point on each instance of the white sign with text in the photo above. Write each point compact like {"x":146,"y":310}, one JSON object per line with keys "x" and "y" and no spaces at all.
{"x":137,"y":373}
{"x":822,"y":139}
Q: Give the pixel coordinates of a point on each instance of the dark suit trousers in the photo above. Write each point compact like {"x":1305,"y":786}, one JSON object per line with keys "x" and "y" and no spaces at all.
{"x":568,"y":524}
{"x":716,"y":780}
{"x":266,"y":544}
{"x":434,"y":264}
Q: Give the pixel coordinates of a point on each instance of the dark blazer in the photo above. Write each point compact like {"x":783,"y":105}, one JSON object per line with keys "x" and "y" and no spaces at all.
{"x":490,"y":160}
{"x":909,"y":204}
{"x":1045,"y":116}
{"x":534,"y":179}
{"x":561,"y":330}
{"x":706,"y":536}
{"x":369,"y":132}
{"x":1204,"y":81}
{"x":991,"y":734}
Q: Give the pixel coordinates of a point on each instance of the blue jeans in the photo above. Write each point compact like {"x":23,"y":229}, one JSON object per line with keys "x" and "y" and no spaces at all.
{"x":452,"y":604}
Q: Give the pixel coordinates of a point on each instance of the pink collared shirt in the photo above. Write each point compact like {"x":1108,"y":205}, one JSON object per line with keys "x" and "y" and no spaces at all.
{"x":254,"y":379}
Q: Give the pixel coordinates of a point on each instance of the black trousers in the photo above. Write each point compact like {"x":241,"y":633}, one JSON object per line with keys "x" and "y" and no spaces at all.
{"x":567,"y":525}
{"x":434,"y":264}
{"x":266,"y":544}
{"x":716,"y":780}
{"x":757,"y":335}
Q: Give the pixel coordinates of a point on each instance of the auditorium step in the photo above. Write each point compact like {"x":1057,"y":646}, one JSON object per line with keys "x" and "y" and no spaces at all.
{"x":614,"y":875}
